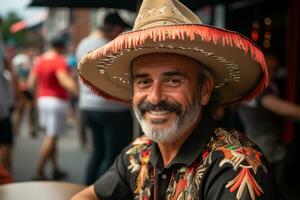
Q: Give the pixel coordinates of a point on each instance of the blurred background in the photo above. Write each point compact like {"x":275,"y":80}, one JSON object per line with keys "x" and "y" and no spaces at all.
{"x":29,"y":25}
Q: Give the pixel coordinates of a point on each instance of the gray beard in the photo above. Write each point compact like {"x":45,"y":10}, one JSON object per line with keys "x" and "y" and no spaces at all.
{"x":177,"y":128}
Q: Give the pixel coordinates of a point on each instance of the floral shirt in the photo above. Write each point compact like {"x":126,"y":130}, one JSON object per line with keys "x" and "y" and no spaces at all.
{"x":214,"y":163}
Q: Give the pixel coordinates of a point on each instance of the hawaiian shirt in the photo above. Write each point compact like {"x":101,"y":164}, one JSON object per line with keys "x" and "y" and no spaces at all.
{"x":214,"y":163}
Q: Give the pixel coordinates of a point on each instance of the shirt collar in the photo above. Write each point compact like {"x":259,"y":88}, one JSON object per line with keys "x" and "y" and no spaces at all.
{"x":192,"y":147}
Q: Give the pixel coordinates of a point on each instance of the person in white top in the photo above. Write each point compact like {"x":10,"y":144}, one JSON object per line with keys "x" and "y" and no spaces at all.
{"x":110,"y":122}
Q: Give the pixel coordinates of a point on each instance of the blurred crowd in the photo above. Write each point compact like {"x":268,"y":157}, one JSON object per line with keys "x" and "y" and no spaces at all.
{"x":47,"y":85}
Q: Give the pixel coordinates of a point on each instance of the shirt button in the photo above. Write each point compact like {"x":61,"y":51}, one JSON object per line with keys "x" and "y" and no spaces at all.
{"x":163,"y":176}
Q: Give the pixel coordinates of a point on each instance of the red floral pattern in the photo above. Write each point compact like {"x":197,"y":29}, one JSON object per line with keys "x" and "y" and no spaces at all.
{"x":239,"y":152}
{"x":185,"y":183}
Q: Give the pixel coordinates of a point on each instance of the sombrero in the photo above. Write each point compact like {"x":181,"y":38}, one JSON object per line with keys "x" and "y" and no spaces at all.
{"x":167,"y":26}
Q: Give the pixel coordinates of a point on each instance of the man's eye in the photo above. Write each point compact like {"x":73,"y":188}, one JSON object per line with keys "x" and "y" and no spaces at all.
{"x":143,"y":83}
{"x":173,"y":82}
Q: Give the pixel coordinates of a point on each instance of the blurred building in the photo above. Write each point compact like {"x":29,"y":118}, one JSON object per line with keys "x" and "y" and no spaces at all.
{"x":76,"y":23}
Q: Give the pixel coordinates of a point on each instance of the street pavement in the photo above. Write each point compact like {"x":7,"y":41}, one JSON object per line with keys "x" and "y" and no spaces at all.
{"x":72,"y":157}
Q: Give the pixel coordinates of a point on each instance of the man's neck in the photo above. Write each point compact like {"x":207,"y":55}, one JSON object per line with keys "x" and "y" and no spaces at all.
{"x":169,"y":150}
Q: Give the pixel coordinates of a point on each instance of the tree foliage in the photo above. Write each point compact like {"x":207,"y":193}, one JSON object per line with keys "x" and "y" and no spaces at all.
{"x":15,"y":39}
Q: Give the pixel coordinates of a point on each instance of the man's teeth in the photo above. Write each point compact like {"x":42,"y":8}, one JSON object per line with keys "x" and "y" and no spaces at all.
{"x":158,"y":112}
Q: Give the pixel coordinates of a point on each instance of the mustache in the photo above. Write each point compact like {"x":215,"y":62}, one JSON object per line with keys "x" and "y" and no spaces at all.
{"x":161,"y":106}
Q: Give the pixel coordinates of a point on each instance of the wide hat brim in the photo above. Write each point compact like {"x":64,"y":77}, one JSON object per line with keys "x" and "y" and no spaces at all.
{"x":238,"y":65}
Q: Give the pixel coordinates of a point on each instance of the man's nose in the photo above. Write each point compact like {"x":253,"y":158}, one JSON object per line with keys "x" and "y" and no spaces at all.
{"x":155,"y":95}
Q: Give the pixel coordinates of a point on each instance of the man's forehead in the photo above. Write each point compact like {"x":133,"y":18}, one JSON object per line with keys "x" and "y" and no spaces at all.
{"x":164,"y":60}
{"x":152,"y":58}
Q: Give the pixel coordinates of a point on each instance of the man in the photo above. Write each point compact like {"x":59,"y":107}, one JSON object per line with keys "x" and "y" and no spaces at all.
{"x":173,"y":69}
{"x":51,"y":78}
{"x":99,"y":114}
{"x":8,"y":89}
{"x":22,"y":64}
{"x":270,"y":108}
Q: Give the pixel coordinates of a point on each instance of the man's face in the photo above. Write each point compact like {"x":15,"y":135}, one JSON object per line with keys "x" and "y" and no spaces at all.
{"x":166,"y":96}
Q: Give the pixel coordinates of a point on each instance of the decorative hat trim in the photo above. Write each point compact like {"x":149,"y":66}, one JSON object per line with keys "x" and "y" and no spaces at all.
{"x":135,"y":40}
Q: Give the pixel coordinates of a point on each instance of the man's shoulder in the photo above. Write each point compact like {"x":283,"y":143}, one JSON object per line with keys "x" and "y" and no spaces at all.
{"x":236,"y":164}
{"x":225,"y":136}
{"x":88,"y":44}
{"x":94,"y":41}
{"x":230,"y":146}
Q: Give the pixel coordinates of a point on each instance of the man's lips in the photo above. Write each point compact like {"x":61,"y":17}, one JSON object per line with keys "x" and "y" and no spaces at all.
{"x":161,"y":112}
{"x":158,"y":115}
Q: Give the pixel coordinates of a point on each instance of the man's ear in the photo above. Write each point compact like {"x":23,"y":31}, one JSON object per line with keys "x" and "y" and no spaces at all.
{"x":206,"y":90}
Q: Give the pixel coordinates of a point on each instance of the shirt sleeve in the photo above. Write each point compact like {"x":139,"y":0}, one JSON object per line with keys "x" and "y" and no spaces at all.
{"x":239,"y":182}
{"x":61,"y":64}
{"x":114,"y":184}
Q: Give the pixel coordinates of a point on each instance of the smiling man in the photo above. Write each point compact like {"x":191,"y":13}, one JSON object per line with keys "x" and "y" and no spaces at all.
{"x":166,"y":100}
{"x":173,"y":70}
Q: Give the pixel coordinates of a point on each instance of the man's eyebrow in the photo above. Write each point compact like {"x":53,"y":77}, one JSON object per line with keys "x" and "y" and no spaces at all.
{"x":170,"y":73}
{"x":140,"y":75}
{"x":174,"y":73}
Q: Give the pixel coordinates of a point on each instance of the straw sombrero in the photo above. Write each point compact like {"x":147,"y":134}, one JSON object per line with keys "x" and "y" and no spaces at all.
{"x":167,"y":26}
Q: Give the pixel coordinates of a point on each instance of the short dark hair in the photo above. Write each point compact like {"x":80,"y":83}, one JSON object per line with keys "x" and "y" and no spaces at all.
{"x":112,"y":18}
{"x":216,"y":97}
{"x":58,"y":42}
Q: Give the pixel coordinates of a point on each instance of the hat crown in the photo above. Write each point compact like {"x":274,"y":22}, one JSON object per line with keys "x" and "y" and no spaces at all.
{"x":164,"y":12}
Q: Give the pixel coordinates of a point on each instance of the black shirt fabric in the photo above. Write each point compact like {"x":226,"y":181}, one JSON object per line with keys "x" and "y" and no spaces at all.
{"x":214,"y":163}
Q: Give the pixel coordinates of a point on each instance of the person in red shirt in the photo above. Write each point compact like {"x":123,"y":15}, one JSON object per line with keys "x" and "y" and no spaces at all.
{"x":53,"y":82}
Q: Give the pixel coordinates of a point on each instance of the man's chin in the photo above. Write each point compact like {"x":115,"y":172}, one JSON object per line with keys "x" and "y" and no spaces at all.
{"x":161,"y":136}
{"x":159,"y":124}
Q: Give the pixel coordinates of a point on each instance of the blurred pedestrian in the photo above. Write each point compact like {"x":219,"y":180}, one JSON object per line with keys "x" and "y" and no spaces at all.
{"x":22,"y":64}
{"x":110,"y":122}
{"x":72,"y":64}
{"x":262,"y":120}
{"x":7,"y":90}
{"x":53,"y":81}
{"x":5,"y":176}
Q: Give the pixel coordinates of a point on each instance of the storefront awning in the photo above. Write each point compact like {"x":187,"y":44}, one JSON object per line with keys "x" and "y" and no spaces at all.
{"x":28,"y":23}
